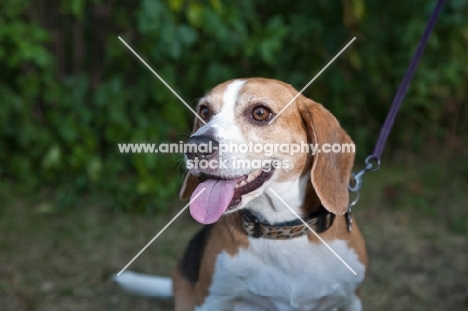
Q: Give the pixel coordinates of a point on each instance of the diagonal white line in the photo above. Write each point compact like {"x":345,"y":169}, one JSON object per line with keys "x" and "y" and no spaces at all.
{"x":162,"y":80}
{"x":162,"y":230}
{"x":315,"y":233}
{"x":313,"y":79}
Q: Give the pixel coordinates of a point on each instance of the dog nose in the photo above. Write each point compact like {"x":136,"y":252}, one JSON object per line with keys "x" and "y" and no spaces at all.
{"x":201,"y":147}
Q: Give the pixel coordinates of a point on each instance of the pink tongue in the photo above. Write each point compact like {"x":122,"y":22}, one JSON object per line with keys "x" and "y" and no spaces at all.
{"x":214,"y":200}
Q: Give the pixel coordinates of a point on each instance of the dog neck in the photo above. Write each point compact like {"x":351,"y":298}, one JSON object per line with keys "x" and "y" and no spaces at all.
{"x":298,"y":195}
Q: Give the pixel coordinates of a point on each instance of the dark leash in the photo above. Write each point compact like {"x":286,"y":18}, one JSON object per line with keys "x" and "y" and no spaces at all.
{"x":372,"y":162}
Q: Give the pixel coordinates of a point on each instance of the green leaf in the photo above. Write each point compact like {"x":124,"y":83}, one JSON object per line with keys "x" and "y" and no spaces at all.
{"x":359,"y":9}
{"x":194,"y":14}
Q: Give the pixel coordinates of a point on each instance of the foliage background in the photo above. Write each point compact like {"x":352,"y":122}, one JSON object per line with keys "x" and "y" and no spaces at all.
{"x":70,"y":91}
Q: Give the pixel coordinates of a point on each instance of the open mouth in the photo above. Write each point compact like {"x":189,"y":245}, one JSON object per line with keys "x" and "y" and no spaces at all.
{"x":252,"y":182}
{"x":220,"y":194}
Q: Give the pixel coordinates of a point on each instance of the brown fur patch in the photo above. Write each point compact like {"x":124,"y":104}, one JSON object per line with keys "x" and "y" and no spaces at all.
{"x":226,"y":235}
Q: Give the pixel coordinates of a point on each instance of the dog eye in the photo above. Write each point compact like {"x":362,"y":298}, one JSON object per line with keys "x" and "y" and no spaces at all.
{"x":204,"y":112}
{"x":261,"y":114}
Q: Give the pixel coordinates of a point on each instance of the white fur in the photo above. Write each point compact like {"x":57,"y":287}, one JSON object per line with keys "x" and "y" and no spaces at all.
{"x":269,"y":208}
{"x":285,"y":275}
{"x":224,"y":122}
{"x":226,"y":129}
{"x":145,"y":285}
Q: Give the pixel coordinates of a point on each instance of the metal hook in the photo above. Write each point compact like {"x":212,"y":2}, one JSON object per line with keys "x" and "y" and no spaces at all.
{"x":349,"y":218}
{"x":372,"y":164}
{"x":354,"y":202}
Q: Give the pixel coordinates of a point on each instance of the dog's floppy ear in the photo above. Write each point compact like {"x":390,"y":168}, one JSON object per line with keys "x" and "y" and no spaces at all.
{"x":331,"y":172}
{"x":190,"y":182}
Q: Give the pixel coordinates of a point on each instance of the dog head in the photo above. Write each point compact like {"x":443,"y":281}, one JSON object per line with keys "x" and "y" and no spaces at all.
{"x":248,"y":155}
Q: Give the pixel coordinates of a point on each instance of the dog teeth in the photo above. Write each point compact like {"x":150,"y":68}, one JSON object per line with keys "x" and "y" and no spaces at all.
{"x":249,"y":178}
{"x":242,"y":183}
{"x":256,"y":173}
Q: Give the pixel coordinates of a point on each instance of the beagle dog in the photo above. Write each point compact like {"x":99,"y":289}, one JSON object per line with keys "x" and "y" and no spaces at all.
{"x":253,"y":252}
{"x":232,"y":263}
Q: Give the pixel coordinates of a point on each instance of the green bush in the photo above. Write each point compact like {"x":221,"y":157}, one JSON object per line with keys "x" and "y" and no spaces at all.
{"x":71,"y":91}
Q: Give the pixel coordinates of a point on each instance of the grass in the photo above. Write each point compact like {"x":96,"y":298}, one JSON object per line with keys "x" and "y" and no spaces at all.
{"x":415,"y":222}
{"x":414,"y":219}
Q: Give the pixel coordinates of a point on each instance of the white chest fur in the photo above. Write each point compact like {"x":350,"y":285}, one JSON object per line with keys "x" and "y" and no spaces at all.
{"x":285,"y":275}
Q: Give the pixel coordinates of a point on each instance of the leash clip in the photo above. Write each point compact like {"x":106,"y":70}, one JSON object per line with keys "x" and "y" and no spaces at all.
{"x":372,"y":164}
{"x":349,"y":216}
